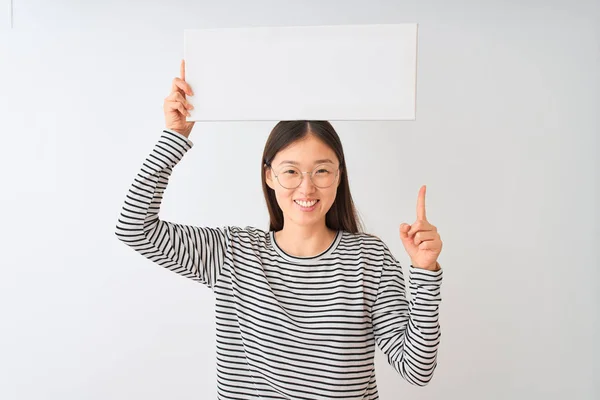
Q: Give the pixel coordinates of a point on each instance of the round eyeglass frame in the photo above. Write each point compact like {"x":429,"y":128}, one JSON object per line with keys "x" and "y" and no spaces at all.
{"x":310,"y":173}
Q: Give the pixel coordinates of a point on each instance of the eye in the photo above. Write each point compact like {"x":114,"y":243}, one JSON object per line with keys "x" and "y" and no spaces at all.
{"x":289,"y":172}
{"x":324,"y":170}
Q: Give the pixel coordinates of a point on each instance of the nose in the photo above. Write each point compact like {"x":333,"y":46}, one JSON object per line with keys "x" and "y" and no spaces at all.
{"x":307,"y":185}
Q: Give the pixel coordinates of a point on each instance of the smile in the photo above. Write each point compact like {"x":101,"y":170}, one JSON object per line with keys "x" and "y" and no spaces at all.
{"x":306,"y":204}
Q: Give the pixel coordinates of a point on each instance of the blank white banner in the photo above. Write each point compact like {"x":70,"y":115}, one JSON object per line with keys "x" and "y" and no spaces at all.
{"x":340,"y":72}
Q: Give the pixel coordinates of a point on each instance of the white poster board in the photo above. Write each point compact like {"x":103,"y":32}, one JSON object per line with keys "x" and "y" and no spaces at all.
{"x":340,"y":72}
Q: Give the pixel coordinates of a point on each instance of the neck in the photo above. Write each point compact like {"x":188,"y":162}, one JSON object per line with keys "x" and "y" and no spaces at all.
{"x":304,"y":241}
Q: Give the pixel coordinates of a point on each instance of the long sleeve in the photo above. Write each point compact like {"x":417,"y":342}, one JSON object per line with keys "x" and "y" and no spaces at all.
{"x":197,"y":253}
{"x":408,"y":332}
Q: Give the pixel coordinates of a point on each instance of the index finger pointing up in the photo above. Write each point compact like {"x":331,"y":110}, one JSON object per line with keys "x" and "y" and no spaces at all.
{"x":421,"y":204}
{"x":182,"y":70}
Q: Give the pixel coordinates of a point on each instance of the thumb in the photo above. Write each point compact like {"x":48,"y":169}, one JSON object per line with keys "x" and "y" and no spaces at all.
{"x":404,"y":228}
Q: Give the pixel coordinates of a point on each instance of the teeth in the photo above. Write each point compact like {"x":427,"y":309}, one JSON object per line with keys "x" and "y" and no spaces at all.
{"x":306,"y":203}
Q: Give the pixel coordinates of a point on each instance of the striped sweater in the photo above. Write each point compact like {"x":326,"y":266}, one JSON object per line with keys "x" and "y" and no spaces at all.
{"x":290,"y":327}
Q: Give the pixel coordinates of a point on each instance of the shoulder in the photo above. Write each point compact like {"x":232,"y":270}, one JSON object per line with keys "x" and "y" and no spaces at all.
{"x":365,"y":244}
{"x":364,"y":240}
{"x":248,"y":234}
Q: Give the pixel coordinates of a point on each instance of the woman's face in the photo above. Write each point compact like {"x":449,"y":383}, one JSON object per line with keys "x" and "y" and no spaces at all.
{"x":308,"y":203}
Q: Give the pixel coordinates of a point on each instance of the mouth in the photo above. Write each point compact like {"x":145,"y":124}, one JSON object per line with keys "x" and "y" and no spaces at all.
{"x":306,"y":205}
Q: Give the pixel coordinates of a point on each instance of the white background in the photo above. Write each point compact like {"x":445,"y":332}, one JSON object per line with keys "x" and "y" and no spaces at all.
{"x":506,"y":138}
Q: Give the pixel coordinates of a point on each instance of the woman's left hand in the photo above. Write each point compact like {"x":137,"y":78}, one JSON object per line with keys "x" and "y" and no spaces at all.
{"x":421,"y":239}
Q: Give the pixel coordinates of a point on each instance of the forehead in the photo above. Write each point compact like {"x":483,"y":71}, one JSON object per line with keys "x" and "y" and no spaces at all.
{"x":306,"y":151}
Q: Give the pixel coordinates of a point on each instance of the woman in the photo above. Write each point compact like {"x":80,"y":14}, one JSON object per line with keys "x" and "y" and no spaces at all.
{"x":300,"y":307}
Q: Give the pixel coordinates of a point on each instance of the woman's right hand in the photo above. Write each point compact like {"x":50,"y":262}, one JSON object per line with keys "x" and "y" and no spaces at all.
{"x":176,"y":106}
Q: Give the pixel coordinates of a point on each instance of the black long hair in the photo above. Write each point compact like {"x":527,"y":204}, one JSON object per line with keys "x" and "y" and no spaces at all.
{"x":342,"y":215}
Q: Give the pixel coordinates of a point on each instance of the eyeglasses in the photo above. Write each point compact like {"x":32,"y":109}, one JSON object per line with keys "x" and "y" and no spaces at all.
{"x":323,"y":176}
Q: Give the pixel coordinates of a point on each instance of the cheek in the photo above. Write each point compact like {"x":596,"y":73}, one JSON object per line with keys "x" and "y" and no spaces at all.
{"x":283,"y":197}
{"x":329,"y":197}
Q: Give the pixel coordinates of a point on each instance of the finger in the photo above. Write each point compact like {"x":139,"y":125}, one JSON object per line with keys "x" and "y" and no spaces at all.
{"x":427,"y":245}
{"x":176,"y":96}
{"x":177,"y":106}
{"x":420,"y":226}
{"x":424,"y":236}
{"x":421,"y":203}
{"x":181,"y":86}
{"x":404,"y":228}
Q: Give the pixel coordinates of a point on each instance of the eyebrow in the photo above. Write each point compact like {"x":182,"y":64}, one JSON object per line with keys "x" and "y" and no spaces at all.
{"x":322,"y":161}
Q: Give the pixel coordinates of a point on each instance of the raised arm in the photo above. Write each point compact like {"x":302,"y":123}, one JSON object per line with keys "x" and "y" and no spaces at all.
{"x":194,"y":252}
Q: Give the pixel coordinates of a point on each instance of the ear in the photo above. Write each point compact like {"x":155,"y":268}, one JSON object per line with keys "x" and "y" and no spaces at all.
{"x":269,"y":176}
